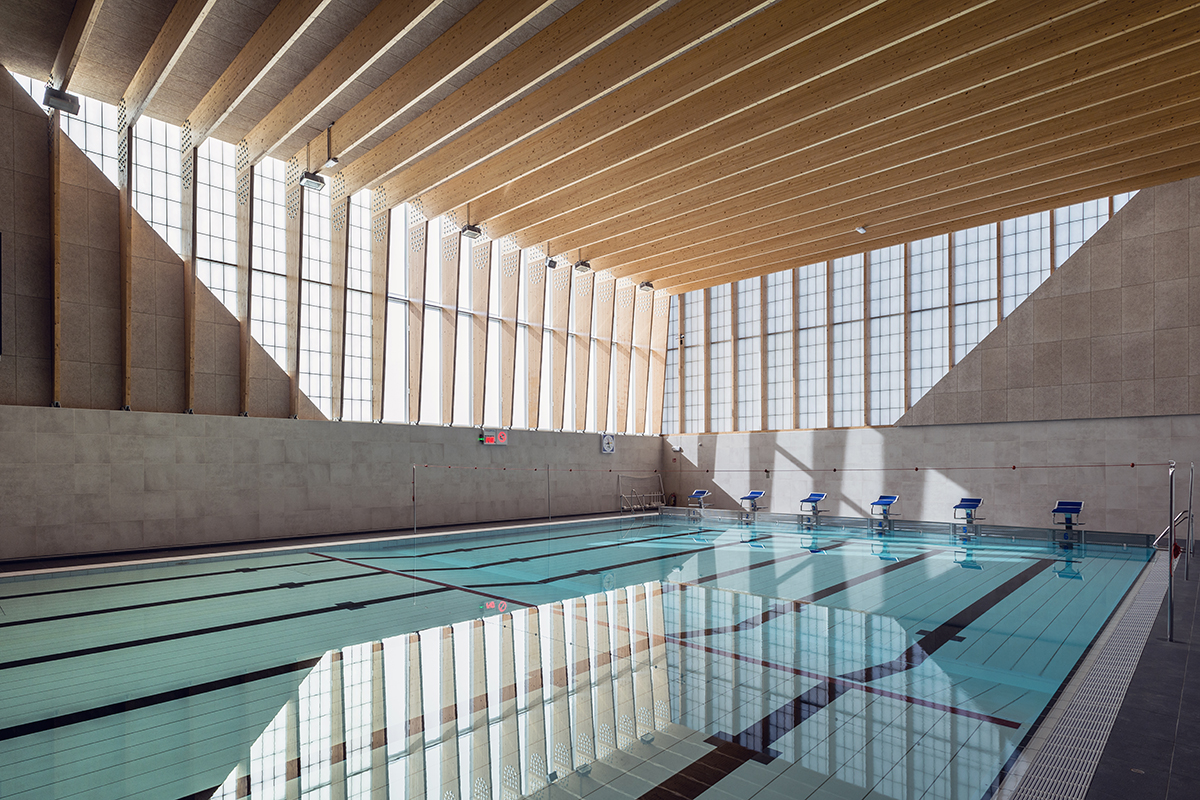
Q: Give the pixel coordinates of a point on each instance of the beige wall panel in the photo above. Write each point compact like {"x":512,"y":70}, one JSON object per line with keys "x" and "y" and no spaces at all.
{"x":510,"y":279}
{"x":417,"y":236}
{"x":658,"y":358}
{"x":448,"y":257}
{"x":642,"y":318}
{"x":560,"y":311}
{"x":623,"y":308}
{"x":584,"y":286}
{"x":606,"y":292}
{"x":537,"y":284}
{"x":481,"y":274}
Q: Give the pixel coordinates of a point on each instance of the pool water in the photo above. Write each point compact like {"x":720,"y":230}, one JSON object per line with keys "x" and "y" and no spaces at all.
{"x":632,"y":657}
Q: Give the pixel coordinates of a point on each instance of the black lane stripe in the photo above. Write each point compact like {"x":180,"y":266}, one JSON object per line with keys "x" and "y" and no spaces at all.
{"x":203,"y":794}
{"x":779,"y":609}
{"x":607,"y":568}
{"x":557,"y":553}
{"x":123,"y":584}
{"x":755,"y":741}
{"x":171,"y":637}
{"x":511,"y":542}
{"x":177,"y":600}
{"x":442,"y":584}
{"x":125,"y":706}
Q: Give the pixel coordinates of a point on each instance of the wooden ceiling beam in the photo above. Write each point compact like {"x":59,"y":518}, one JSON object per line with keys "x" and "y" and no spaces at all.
{"x":79,"y":28}
{"x":898,"y":120}
{"x":763,"y":233}
{"x":870,"y":54}
{"x":637,"y":53}
{"x":558,"y":44}
{"x":484,"y":27}
{"x":983,"y":203}
{"x":763,"y":55}
{"x":185,"y":19}
{"x":278,"y":32}
{"x":1124,"y":120}
{"x":387,"y":23}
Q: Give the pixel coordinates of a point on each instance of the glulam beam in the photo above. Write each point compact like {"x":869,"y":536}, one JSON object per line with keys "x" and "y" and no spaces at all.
{"x":79,"y":28}
{"x":382,"y":28}
{"x":176,"y":34}
{"x":286,"y":23}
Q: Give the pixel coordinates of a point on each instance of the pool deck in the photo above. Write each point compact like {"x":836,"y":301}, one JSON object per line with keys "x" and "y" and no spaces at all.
{"x":1153,"y":750}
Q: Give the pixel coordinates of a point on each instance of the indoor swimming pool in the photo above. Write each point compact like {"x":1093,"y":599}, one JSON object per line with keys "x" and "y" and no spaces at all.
{"x":620,"y":657}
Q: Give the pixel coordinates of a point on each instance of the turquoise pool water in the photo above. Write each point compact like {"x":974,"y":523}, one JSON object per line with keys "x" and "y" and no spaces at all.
{"x":614,"y":658}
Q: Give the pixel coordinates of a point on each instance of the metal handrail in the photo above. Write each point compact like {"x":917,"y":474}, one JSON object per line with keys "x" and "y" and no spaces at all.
{"x":1178,"y":519}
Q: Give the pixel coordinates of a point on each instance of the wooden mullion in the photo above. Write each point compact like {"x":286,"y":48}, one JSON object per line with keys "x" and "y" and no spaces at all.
{"x":293,"y":247}
{"x":999,"y":253}
{"x":605,"y":290}
{"x":642,"y":313}
{"x":125,"y":245}
{"x":536,"y":280}
{"x":481,"y":276}
{"x":1053,"y":240}
{"x":56,"y":134}
{"x":560,"y":314}
{"x":950,"y":298}
{"x":829,"y":344}
{"x":795,"y":348}
{"x":585,"y":284}
{"x":510,"y":274}
{"x":416,"y":242}
{"x":448,"y":255}
{"x":187,"y":242}
{"x":763,"y":417}
{"x":624,"y":297}
{"x":658,"y":358}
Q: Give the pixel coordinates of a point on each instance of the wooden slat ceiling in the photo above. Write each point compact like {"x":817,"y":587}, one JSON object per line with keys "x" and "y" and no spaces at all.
{"x":686,"y":142}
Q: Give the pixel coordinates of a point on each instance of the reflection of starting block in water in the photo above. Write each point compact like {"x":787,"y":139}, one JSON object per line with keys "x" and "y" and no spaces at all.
{"x":696,"y":503}
{"x":750,"y":512}
{"x":965,"y":558}
{"x":885,"y":509}
{"x":969,"y":508}
{"x":810,"y":517}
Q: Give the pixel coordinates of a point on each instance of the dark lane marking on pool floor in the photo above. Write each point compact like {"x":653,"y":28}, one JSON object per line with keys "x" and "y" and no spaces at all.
{"x":779,"y":609}
{"x":754,"y":742}
{"x":443,"y":584}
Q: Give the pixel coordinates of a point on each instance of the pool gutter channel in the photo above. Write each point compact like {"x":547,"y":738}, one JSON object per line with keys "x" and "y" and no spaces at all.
{"x":1064,"y":748}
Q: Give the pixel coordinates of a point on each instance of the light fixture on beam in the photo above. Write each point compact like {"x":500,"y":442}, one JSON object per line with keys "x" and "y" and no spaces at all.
{"x":861,"y":229}
{"x":57,"y":98}
{"x":583,"y":266}
{"x":472,"y":231}
{"x":330,"y":160}
{"x":646,"y":286}
{"x":551,"y":263}
{"x":311,"y":180}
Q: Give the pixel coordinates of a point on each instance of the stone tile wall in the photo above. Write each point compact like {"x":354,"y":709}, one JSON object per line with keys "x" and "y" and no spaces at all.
{"x":1114,"y":332}
{"x":86,"y":481}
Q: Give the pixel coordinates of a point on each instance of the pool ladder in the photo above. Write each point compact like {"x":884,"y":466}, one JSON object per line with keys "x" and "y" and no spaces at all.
{"x":1186,"y":552}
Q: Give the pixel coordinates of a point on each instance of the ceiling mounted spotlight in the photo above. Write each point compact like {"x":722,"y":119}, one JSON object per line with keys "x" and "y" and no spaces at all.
{"x":57,"y":98}
{"x":646,"y":286}
{"x":583,"y":266}
{"x":861,"y":229}
{"x":472,"y":231}
{"x":311,"y":180}
{"x":330,"y":160}
{"x":551,"y":263}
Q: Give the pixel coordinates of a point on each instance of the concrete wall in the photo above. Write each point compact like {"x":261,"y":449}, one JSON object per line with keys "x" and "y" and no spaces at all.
{"x":26,"y":333}
{"x":85,"y":481}
{"x":954,"y":461}
{"x":1115,"y":332}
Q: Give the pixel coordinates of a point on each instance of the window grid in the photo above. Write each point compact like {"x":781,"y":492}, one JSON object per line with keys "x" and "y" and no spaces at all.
{"x":779,"y":350}
{"x":216,"y":221}
{"x":356,"y":371}
{"x":94,"y":131}
{"x":720,"y":358}
{"x":929,"y":276}
{"x":974,"y":287}
{"x":155,"y":179}
{"x":847,"y":341}
{"x":811,"y":382}
{"x":1025,"y":249}
{"x":749,"y":331}
{"x":670,"y":412}
{"x":693,"y":362}
{"x":1075,"y":224}
{"x":886,"y":329}
{"x":316,"y":309}
{"x":268,"y":284}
